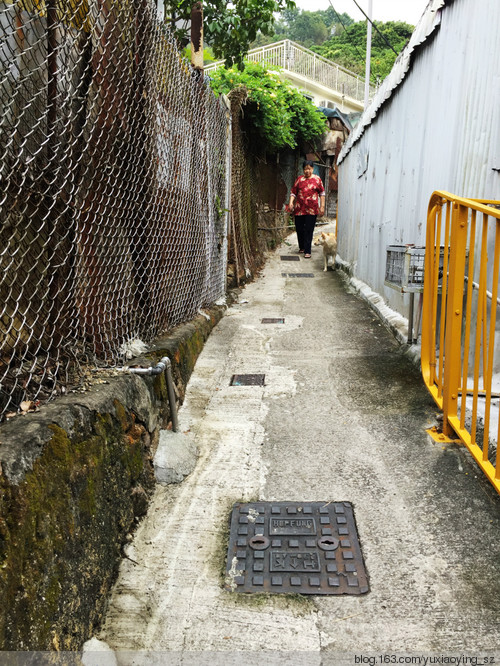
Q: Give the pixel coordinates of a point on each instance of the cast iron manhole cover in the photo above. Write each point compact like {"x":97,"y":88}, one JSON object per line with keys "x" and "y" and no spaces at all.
{"x":295,"y":547}
{"x":272,"y":320}
{"x":289,"y":257}
{"x":247,"y":380}
{"x":297,"y":275}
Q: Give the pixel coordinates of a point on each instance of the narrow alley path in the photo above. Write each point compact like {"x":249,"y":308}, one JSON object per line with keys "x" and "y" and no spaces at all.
{"x":341,"y":417}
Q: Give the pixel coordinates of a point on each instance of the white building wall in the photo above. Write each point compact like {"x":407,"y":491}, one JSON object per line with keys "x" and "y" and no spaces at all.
{"x":321,"y":94}
{"x":437,"y":129}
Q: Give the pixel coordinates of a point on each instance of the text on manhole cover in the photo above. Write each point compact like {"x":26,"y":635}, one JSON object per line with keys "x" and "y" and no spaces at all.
{"x":295,"y":547}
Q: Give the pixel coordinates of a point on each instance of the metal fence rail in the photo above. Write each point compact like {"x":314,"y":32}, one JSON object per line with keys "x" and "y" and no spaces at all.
{"x":288,"y":55}
{"x":460,"y":350}
{"x":113,"y":178}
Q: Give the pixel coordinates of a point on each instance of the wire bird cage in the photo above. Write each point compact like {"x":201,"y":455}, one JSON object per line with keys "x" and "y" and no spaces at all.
{"x":404,"y":269}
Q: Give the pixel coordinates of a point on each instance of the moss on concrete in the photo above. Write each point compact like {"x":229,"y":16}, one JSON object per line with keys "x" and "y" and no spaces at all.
{"x":73,"y":481}
{"x":63,"y":530}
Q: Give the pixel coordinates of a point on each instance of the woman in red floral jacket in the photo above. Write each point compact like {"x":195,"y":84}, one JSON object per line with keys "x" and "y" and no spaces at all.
{"x":307,"y":200}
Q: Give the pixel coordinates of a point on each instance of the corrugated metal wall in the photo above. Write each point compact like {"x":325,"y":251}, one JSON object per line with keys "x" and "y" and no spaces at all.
{"x":437,"y":129}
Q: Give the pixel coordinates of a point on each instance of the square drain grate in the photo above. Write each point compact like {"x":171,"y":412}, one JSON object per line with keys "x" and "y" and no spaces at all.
{"x":272,"y":320}
{"x":298,"y":275}
{"x":295,"y":547}
{"x":247,"y":380}
{"x":289,"y":257}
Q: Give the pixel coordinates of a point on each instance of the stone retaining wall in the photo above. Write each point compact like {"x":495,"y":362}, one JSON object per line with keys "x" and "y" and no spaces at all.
{"x":75,"y":478}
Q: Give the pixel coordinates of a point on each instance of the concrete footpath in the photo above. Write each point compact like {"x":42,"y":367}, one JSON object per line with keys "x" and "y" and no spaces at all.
{"x":342,"y":417}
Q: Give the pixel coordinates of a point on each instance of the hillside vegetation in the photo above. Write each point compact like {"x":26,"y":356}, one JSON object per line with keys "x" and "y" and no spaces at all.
{"x":341,"y":39}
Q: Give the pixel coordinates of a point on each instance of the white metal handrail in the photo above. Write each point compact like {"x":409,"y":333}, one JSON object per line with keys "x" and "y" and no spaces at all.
{"x":292,"y":57}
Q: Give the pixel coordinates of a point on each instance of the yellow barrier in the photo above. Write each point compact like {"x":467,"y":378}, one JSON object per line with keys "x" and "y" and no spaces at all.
{"x":460,"y":364}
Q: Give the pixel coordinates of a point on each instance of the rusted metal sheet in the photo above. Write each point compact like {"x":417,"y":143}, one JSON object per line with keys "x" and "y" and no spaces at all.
{"x":197,"y":36}
{"x":295,"y":547}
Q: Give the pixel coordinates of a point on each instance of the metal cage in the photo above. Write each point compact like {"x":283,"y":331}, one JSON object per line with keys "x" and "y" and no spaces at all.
{"x":404,"y":269}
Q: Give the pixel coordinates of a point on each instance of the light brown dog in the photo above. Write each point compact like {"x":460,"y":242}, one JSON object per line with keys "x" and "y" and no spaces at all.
{"x":329,"y":243}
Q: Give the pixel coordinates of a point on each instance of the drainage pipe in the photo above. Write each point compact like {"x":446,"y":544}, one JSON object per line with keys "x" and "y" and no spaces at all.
{"x":476,"y":286}
{"x":163,"y":364}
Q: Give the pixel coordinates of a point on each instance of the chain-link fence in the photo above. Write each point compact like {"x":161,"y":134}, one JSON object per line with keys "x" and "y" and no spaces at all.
{"x":113,"y":177}
{"x":242,"y":238}
{"x":260,"y":186}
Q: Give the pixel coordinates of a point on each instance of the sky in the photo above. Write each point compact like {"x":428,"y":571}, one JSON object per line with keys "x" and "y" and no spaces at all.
{"x":409,"y":11}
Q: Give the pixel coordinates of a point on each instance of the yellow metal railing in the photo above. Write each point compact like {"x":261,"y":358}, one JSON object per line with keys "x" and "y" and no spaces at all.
{"x":460,"y":343}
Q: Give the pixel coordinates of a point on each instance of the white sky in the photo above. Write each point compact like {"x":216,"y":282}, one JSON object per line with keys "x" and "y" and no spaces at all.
{"x":383,"y":10}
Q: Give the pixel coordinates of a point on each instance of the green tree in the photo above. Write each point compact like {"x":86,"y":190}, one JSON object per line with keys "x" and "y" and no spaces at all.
{"x":345,"y":41}
{"x":277,"y":115}
{"x":348,"y":48}
{"x":229,"y":27}
{"x":308,"y":28}
{"x":312,"y":27}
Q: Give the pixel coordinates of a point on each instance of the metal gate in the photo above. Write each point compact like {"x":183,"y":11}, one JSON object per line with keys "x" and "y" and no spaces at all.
{"x":460,"y":345}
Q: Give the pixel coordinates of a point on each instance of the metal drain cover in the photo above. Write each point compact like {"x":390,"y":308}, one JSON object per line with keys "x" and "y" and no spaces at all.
{"x":295,"y":547}
{"x":289,"y":257}
{"x":298,"y":275}
{"x":272,"y":320}
{"x":247,"y":380}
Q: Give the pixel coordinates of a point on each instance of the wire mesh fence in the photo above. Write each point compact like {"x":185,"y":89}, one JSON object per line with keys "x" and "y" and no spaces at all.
{"x":242,"y":238}
{"x":113,"y":177}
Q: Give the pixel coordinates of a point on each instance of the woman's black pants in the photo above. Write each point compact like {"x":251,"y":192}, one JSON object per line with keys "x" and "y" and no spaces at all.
{"x":304,"y":225}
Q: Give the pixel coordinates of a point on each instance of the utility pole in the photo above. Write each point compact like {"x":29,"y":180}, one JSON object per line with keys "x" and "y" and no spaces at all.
{"x":197,"y":37}
{"x":368,"y":51}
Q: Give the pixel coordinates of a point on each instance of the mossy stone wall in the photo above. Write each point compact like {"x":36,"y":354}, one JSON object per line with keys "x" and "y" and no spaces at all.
{"x":75,"y":478}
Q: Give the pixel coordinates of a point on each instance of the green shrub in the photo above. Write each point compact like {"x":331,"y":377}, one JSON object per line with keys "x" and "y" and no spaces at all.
{"x":277,"y":114}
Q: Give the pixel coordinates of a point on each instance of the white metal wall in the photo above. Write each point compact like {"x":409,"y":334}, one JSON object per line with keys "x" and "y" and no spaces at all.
{"x":438,"y":129}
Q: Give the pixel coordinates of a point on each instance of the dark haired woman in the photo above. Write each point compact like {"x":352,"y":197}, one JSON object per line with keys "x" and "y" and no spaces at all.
{"x":307,"y":200}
